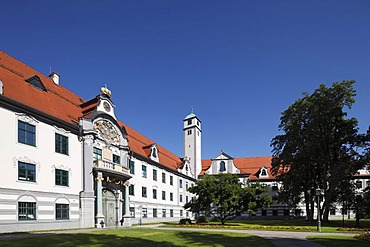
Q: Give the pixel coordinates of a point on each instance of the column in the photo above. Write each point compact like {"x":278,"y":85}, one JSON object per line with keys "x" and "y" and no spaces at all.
{"x":126,"y":201}
{"x":100,"y":219}
{"x":87,"y":197}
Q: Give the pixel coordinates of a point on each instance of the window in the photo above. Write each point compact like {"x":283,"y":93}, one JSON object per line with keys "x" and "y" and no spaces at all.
{"x":274,"y":187}
{"x":222,"y":166}
{"x":62,"y":211}
{"x":171,"y":212}
{"x":274,"y":212}
{"x":332,"y":211}
{"x":189,"y":132}
{"x":154,"y":174}
{"x":116,"y":159}
{"x":163,"y":195}
{"x":164,"y":213}
{"x":368,"y":183}
{"x":264,"y":212}
{"x":171,"y":180}
{"x":171,"y":196}
{"x":97,"y":154}
{"x":61,"y":144}
{"x":154,"y":213}
{"x":154,"y":152}
{"x":26,"y":210}
{"x":190,"y":121}
{"x":180,"y":198}
{"x":145,"y":212}
{"x":163,"y":177}
{"x":286,"y":212}
{"x":26,"y":172}
{"x":154,"y":193}
{"x":187,"y":214}
{"x":143,"y":171}
{"x":132,"y":166}
{"x":181,"y":212}
{"x":198,"y":123}
{"x":143,"y":191}
{"x":132,"y":212}
{"x":359,"y":184}
{"x":35,"y":81}
{"x":131,"y":190}
{"x":186,"y":185}
{"x":26,"y":133}
{"x":187,"y":199}
{"x":263,"y":172}
{"x":61,"y":177}
{"x":180,"y":183}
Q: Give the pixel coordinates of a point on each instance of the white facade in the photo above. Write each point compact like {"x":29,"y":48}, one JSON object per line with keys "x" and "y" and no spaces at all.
{"x":42,"y":189}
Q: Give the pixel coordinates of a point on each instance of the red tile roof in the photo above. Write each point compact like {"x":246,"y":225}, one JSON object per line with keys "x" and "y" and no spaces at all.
{"x":251,"y":166}
{"x":59,"y":102}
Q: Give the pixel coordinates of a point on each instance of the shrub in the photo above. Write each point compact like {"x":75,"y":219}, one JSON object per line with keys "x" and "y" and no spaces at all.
{"x":214,"y":219}
{"x":185,"y":221}
{"x":202,"y":219}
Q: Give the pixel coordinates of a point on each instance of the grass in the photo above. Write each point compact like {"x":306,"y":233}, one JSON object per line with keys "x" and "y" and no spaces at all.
{"x":140,"y":237}
{"x":296,"y":224}
{"x":339,"y":241}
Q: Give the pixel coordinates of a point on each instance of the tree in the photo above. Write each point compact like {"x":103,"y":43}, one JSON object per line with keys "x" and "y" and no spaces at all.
{"x":319,"y":147}
{"x":224,"y":197}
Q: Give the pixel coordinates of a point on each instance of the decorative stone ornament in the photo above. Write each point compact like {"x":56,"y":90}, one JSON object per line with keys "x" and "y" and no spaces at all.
{"x":107,"y":132}
{"x":104,"y":90}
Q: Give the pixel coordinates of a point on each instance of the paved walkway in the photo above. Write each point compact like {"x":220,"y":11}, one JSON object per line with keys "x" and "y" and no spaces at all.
{"x":278,"y":238}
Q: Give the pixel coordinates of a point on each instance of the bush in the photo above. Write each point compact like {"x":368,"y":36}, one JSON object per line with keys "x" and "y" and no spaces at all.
{"x":185,"y":221}
{"x":202,"y":219}
{"x":214,"y":219}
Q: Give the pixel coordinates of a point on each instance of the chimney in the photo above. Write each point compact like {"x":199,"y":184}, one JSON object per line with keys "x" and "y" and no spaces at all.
{"x":55,"y":77}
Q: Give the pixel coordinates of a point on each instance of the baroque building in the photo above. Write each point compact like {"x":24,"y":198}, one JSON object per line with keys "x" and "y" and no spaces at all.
{"x":70,"y":163}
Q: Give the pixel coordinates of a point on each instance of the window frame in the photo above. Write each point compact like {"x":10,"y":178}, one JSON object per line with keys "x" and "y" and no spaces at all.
{"x":61,"y":144}
{"x":26,"y":172}
{"x":62,"y":176}
{"x":97,"y":154}
{"x":28,"y":206}
{"x":154,"y":193}
{"x":144,"y":173}
{"x":131,"y":164}
{"x":155,"y":175}
{"x":29,"y":137}
{"x":144,"y":192}
{"x":131,"y":190}
{"x":63,"y":212}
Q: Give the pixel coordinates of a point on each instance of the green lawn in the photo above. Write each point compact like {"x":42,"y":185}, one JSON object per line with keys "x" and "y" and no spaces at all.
{"x":297,"y":224}
{"x":141,"y":237}
{"x":339,"y":241}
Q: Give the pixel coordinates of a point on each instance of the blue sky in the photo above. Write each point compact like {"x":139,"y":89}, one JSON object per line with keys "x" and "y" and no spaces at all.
{"x":238,"y":63}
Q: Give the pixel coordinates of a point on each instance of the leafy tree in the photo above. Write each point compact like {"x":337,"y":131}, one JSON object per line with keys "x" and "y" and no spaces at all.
{"x":319,"y":147}
{"x":224,"y":197}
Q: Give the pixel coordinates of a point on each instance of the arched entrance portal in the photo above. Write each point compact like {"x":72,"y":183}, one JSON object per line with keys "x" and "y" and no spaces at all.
{"x":109,"y":208}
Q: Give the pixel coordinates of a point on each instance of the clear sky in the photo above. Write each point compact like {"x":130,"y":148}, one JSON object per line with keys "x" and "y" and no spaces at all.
{"x":238,"y":63}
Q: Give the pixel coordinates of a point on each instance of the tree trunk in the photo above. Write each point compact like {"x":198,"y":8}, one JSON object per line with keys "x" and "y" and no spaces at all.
{"x":308,"y":211}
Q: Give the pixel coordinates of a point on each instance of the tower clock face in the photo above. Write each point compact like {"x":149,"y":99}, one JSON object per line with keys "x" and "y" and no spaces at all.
{"x":106,"y":106}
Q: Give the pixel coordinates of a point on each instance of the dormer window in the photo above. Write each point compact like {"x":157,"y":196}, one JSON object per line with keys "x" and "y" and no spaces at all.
{"x":154,"y":153}
{"x":263,"y":172}
{"x":222,"y":166}
{"x":36,"y":82}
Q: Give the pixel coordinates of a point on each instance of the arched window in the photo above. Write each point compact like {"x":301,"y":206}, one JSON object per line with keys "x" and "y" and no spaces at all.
{"x":222,"y":166}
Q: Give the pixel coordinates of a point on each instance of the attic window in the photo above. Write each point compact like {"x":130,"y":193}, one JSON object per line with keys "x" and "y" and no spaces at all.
{"x":36,"y":82}
{"x":154,"y":153}
{"x":263,"y":172}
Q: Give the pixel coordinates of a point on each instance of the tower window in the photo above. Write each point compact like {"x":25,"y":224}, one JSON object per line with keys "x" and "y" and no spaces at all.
{"x":190,"y":121}
{"x":189,"y":132}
